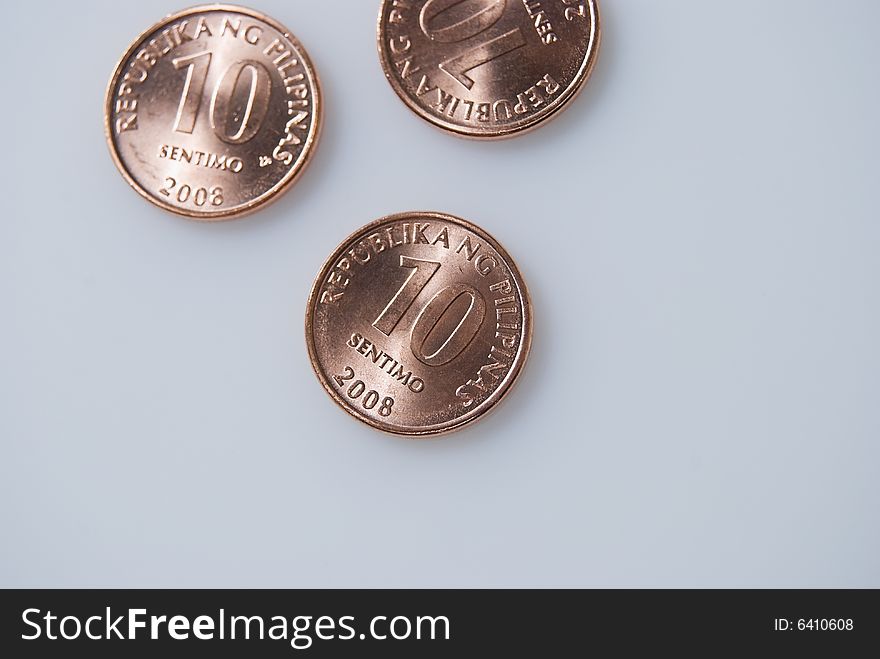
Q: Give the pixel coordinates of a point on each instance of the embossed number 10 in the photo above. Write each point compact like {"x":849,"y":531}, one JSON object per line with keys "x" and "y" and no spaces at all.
{"x":433,"y":312}
{"x":220,"y":112}
{"x":480,"y":15}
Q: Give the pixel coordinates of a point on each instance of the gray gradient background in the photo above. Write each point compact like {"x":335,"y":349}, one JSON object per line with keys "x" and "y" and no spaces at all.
{"x":700,"y":233}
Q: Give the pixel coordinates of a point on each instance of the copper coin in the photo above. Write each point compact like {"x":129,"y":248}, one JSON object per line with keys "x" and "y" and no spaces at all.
{"x":418,"y":324}
{"x":213,"y":112}
{"x":488,"y":68}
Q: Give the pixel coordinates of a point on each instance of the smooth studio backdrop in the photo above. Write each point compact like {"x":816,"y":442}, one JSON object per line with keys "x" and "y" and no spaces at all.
{"x":700,"y":233}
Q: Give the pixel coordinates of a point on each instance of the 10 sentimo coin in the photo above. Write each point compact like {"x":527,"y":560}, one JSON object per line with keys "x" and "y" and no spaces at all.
{"x":418,"y":323}
{"x":488,"y":68}
{"x":213,"y":112}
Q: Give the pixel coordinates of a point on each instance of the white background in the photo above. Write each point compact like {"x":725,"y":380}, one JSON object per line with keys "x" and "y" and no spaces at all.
{"x":700,"y":234}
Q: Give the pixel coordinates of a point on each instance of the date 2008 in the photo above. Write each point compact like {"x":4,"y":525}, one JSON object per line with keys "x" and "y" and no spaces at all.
{"x":186,"y":193}
{"x":358,"y":391}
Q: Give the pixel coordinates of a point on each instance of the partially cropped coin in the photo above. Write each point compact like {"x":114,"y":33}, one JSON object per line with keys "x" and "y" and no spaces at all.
{"x":418,"y":323}
{"x":213,"y":112}
{"x":488,"y":68}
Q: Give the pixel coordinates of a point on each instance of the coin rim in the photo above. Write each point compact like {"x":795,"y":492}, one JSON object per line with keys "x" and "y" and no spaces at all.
{"x":487,"y":406}
{"x":537,"y":120}
{"x":273,"y":193}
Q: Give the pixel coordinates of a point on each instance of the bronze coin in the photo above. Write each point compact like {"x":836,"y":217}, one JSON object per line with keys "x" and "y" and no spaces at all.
{"x":213,"y":112}
{"x":488,"y":68}
{"x":418,"y":324}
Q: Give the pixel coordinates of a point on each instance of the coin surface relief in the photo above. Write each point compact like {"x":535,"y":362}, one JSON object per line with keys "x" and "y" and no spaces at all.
{"x":213,"y":112}
{"x":418,"y":323}
{"x":488,"y":68}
